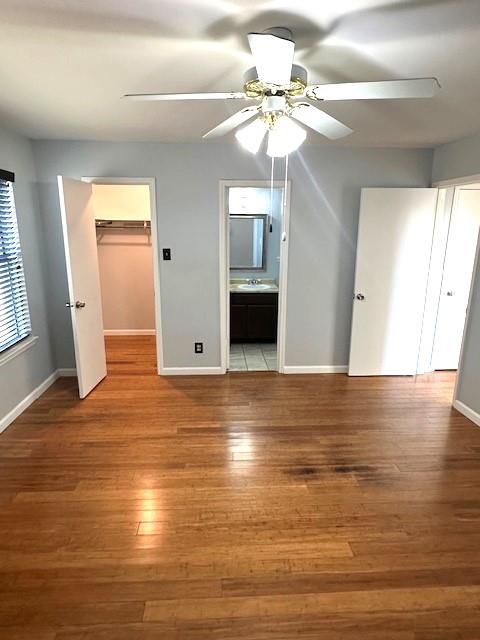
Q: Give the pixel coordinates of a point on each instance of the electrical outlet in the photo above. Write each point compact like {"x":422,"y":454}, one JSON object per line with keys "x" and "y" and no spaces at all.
{"x":167,"y":254}
{"x":198,"y":347}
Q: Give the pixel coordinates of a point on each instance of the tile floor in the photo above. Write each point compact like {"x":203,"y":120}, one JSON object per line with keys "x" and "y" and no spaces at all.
{"x":253,"y":357}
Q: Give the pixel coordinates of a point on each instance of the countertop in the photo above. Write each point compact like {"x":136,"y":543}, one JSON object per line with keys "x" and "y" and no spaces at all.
{"x":234,"y":286}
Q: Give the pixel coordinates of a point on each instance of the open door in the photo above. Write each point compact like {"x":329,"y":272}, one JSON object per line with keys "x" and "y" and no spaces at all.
{"x":393,"y":255}
{"x":457,"y":277}
{"x":78,"y":222}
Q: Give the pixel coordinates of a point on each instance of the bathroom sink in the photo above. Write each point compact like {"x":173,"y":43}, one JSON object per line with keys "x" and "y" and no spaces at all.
{"x":254,"y":287}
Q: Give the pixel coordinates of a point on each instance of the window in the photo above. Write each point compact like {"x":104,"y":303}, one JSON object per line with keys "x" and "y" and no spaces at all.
{"x":14,"y":314}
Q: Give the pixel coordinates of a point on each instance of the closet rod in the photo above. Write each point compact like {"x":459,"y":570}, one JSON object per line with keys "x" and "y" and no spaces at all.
{"x":122,"y":224}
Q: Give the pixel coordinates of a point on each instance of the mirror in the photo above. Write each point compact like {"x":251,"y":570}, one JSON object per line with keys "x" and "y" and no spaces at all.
{"x":247,"y":242}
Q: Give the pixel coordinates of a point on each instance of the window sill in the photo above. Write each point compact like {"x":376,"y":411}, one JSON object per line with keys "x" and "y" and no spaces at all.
{"x":17,"y":349}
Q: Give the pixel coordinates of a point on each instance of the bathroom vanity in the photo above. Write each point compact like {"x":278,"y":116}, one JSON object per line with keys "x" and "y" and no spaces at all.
{"x":253,"y":312}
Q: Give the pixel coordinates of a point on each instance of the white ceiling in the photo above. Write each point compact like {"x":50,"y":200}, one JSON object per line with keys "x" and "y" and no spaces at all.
{"x":66,"y":63}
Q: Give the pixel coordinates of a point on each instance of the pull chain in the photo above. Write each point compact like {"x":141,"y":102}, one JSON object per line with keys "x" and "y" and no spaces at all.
{"x":284,"y":199}
{"x":270,"y":226}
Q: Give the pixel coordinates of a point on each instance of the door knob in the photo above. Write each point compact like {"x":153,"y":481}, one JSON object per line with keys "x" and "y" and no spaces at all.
{"x":79,"y":304}
{"x":359,"y":296}
{"x":450,"y":293}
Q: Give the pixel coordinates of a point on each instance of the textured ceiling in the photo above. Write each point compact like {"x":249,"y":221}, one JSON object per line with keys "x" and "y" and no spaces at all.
{"x":66,"y":63}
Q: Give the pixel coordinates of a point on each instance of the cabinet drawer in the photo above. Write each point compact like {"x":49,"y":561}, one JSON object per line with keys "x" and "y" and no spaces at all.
{"x":254,"y":298}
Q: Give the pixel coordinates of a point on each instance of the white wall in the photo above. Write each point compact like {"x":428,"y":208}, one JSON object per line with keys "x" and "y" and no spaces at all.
{"x":121,"y":201}
{"x":126,"y":280}
{"x":326,"y":183}
{"x":22,"y":374}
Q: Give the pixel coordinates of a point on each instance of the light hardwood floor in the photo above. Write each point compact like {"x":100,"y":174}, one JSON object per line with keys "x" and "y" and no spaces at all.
{"x":244,"y":506}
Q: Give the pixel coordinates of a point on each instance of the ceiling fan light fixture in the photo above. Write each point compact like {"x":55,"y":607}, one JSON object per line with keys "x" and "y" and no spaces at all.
{"x":276,"y":82}
{"x":251,"y":136}
{"x":285,"y":136}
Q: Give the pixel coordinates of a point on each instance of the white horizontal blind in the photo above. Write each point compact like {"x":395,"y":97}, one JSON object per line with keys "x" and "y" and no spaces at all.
{"x":14,"y":314}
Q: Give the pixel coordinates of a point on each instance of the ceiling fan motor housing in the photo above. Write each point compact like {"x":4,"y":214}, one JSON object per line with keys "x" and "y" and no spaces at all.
{"x":254,"y":88}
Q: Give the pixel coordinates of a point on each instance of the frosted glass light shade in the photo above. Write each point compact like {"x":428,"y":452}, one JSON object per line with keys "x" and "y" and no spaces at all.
{"x":285,"y":137}
{"x":251,"y":136}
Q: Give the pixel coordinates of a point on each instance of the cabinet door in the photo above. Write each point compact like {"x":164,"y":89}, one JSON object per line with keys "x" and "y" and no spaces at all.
{"x":262,"y":322}
{"x":238,"y":322}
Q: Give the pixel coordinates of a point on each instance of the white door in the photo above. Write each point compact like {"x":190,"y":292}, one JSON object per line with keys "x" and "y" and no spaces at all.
{"x":79,"y":237}
{"x":393,"y":252}
{"x":457,"y":276}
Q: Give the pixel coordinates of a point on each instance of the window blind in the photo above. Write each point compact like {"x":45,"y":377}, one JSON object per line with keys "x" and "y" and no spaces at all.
{"x":14,"y":313}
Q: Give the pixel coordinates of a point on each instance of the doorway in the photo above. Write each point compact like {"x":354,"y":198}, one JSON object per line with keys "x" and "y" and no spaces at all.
{"x":463,"y":224}
{"x":98,"y":224}
{"x":254,"y":219}
{"x":127,"y":245}
{"x":414,"y":265}
{"x":125,"y":263}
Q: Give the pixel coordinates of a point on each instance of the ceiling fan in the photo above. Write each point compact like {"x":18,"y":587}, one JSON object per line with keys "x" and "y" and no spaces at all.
{"x":279,"y":89}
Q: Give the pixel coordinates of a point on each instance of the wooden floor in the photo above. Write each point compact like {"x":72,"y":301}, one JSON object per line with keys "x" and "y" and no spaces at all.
{"x":246,"y":506}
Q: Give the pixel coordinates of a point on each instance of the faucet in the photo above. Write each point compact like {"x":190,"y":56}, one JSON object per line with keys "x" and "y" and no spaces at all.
{"x":254,"y":281}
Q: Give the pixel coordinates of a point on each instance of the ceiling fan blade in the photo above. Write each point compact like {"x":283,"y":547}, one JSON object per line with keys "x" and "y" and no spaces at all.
{"x":319,"y":121}
{"x":232,"y":122}
{"x":386,"y":90}
{"x":273,"y":57}
{"x":151,"y":97}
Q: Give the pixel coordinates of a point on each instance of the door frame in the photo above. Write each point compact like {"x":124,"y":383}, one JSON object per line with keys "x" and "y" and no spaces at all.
{"x":150,"y":182}
{"x":449,"y":183}
{"x":457,"y":182}
{"x":224,"y":256}
{"x":467,"y":318}
{"x":455,"y":196}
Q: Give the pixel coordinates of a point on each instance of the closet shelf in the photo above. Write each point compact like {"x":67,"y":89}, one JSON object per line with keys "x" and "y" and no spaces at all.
{"x":123,"y":224}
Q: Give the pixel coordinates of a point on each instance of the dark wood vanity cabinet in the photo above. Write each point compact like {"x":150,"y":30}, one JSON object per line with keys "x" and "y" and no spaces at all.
{"x":253,"y":317}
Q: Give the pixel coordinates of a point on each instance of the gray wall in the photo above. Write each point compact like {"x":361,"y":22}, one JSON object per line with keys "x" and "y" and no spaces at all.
{"x":468,"y":390}
{"x":21,"y":375}
{"x":326,"y":183}
{"x":457,"y":160}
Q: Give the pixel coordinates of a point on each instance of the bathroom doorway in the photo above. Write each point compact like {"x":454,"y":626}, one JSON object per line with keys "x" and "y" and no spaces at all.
{"x":254,"y":223}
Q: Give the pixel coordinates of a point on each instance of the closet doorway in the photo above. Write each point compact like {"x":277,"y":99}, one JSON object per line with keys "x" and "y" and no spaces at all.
{"x":110,"y":237}
{"x":125,"y":261}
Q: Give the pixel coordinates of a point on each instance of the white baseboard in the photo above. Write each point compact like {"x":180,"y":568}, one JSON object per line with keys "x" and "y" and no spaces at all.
{"x":326,"y":368}
{"x":66,"y":373}
{"x":192,"y":371}
{"x":27,"y":401}
{"x":467,"y":412}
{"x":33,"y":395}
{"x":129,"y":332}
